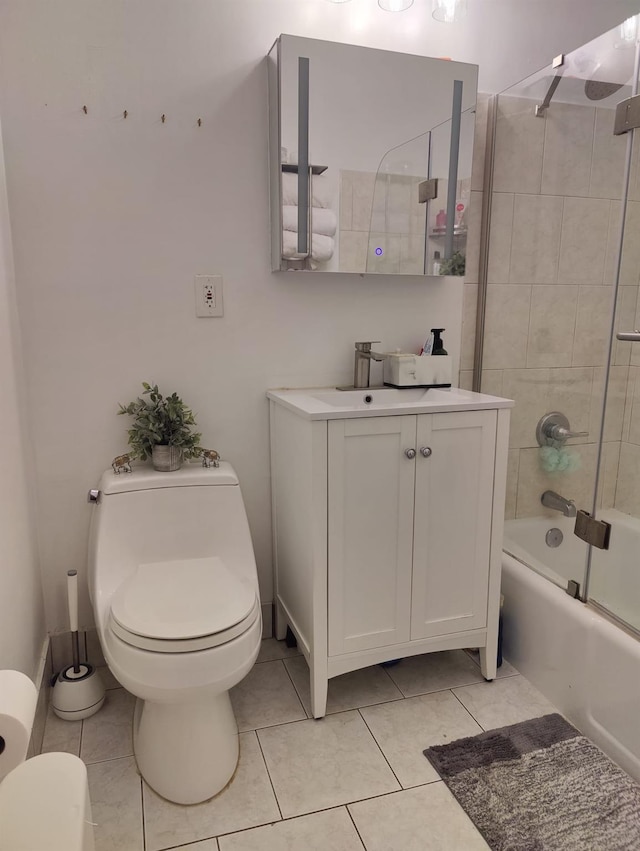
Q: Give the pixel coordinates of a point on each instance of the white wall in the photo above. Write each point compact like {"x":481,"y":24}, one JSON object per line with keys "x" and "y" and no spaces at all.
{"x":22,"y":628}
{"x":112,"y":218}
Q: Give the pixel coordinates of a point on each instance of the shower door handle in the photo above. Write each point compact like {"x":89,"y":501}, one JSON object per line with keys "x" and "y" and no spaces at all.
{"x":632,"y":336}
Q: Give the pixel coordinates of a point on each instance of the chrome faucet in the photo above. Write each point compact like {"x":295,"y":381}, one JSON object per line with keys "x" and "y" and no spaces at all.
{"x":551,"y":499}
{"x":364,"y":356}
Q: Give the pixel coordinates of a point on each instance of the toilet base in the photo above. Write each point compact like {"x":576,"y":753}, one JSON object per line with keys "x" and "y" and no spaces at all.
{"x":186,"y":752}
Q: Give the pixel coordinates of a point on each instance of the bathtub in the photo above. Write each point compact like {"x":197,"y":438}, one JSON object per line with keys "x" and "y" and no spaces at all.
{"x":585,"y":664}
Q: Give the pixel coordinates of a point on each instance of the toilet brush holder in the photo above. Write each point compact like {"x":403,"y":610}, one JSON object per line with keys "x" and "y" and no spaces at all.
{"x":78,"y":690}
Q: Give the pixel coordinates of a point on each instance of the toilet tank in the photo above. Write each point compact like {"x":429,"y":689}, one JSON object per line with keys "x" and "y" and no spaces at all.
{"x":148,"y":516}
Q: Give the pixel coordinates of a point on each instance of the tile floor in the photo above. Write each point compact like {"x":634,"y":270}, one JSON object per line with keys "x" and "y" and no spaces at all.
{"x":355,"y":780}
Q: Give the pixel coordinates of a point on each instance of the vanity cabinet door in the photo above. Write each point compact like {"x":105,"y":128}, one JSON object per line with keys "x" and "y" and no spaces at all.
{"x":453,"y":509}
{"x":370,"y":530}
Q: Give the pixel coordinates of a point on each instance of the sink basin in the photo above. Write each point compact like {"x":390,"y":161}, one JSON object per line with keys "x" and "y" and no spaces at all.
{"x":375,"y":398}
{"x":319,"y":403}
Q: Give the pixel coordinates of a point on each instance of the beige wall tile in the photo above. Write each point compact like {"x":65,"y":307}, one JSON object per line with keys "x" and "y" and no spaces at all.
{"x":552,"y":324}
{"x":529,"y":389}
{"x":506,"y":325}
{"x":616,"y":399}
{"x":592,"y":326}
{"x":533,"y":481}
{"x":585,"y":228}
{"x":630,"y":266}
{"x":570,"y":391}
{"x":633,"y":404}
{"x":613,"y":243}
{"x":469,"y":310}
{"x":535,"y":244}
{"x":346,"y":200}
{"x":353,"y":250}
{"x":500,"y":238}
{"x":626,"y":316}
{"x":491,"y":381}
{"x":568,"y":142}
{"x":607,"y":163}
{"x":363,"y":195}
{"x":465,"y":379}
{"x":609,"y":474}
{"x":635,"y":348}
{"x":474,"y":219}
{"x":628,"y":486}
{"x":480,"y":141}
{"x":412,"y":253}
{"x":389,"y":261}
{"x":513,"y":462}
{"x":634,"y":178}
{"x":519,"y":146}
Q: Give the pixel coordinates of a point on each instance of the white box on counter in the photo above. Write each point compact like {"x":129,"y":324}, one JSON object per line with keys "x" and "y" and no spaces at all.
{"x":402,"y":369}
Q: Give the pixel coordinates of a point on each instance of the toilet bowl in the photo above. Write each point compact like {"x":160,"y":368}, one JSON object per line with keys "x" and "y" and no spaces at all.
{"x":174,"y":588}
{"x":44,"y":804}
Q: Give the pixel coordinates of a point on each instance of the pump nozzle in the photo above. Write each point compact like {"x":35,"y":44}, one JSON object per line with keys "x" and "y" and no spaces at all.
{"x":438,"y":348}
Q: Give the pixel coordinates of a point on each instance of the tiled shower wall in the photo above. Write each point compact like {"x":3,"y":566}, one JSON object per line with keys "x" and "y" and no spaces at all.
{"x":553,"y":242}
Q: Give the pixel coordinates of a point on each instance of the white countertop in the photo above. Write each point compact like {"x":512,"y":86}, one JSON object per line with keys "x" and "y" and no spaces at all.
{"x":328,"y":403}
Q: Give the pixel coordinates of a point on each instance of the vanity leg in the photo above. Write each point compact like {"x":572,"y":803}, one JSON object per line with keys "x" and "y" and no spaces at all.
{"x":319,"y":687}
{"x":488,"y":660}
{"x":280,"y":626}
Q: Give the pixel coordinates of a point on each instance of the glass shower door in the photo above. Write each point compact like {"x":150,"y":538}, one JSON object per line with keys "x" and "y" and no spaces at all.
{"x":613,"y":575}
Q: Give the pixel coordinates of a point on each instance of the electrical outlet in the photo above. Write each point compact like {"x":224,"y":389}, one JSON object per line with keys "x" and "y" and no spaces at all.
{"x":208,"y":292}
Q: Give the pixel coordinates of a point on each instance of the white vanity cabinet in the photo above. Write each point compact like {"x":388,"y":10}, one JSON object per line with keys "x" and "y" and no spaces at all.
{"x":387,"y":529}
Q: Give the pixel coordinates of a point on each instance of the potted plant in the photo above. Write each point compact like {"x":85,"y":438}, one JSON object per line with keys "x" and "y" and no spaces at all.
{"x":162,"y":429}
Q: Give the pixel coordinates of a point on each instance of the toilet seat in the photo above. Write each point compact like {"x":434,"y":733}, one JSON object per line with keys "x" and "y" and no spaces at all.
{"x":182,"y":606}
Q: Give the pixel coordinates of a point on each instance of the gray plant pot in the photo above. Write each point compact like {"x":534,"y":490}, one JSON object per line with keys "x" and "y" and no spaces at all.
{"x":166,"y":459}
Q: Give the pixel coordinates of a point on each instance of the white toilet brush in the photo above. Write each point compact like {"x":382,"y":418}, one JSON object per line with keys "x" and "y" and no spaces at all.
{"x":78,"y":691}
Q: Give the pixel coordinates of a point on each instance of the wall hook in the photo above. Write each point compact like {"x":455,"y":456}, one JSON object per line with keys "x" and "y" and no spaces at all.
{"x":125,"y":113}
{"x":163,"y":118}
{"x":84,"y":109}
{"x":199,"y":122}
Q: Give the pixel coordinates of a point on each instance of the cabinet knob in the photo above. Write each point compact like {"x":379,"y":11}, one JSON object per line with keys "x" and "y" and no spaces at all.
{"x":410,"y":453}
{"x":425,"y":451}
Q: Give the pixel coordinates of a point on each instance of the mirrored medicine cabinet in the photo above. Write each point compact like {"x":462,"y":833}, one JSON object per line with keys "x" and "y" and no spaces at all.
{"x":370,"y":157}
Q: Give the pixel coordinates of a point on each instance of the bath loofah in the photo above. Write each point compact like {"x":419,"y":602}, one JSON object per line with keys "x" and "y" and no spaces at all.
{"x":554,"y":459}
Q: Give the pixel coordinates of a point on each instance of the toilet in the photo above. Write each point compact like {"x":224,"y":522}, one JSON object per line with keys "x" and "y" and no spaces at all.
{"x":44,"y":804}
{"x":174,"y":589}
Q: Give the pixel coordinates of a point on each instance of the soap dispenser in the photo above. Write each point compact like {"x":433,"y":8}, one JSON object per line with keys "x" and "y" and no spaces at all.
{"x":438,"y":348}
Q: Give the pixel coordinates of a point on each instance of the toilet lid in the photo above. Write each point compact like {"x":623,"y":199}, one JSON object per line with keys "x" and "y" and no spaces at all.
{"x":182,"y":599}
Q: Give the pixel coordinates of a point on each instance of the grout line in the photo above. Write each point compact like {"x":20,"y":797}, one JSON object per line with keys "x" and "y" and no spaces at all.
{"x":381,"y":751}
{"x":298,"y":695}
{"x":355,"y":826}
{"x":468,"y":711}
{"x":142,"y":816}
{"x":273,"y":788}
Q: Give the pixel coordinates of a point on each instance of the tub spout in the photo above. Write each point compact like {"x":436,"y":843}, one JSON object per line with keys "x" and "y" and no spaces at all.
{"x":551,"y":499}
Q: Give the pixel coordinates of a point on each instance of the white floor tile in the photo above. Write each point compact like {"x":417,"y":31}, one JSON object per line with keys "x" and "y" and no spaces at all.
{"x":107,"y":678}
{"x":505,"y":670}
{"x":61,"y":735}
{"x":349,"y":691}
{"x":205,"y":845}
{"x":331,"y":830}
{"x":504,"y":701}
{"x":403,"y":730}
{"x":271,"y":649}
{"x":266,"y":697}
{"x":247,"y":801}
{"x":108,"y":734}
{"x":116,"y":805}
{"x":434,"y":672}
{"x":427,"y":818}
{"x":315,"y":765}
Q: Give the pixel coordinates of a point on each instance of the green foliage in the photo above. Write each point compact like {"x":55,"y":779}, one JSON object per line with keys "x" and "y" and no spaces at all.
{"x":159,"y":420}
{"x":454,"y":266}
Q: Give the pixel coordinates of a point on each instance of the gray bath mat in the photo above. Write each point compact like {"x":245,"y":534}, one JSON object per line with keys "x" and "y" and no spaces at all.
{"x":541,"y":786}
